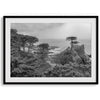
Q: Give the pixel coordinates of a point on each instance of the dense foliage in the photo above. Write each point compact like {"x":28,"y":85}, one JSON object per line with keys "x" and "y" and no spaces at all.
{"x":69,"y":70}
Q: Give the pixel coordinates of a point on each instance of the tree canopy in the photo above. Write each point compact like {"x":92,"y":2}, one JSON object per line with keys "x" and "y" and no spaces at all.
{"x":71,"y":38}
{"x":75,"y":42}
{"x":43,"y":46}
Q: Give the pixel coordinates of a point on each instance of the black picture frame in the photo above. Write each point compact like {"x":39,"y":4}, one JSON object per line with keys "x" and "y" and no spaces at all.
{"x":47,"y":83}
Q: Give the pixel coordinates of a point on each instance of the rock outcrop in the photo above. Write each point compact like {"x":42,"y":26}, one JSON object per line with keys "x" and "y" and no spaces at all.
{"x":81,"y":53}
{"x":76,"y":54}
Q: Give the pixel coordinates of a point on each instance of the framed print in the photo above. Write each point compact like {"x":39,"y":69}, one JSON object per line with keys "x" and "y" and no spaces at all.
{"x":50,"y":49}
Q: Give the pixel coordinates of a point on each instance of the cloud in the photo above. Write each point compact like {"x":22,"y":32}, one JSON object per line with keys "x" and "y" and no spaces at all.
{"x":54,"y":30}
{"x":34,"y":27}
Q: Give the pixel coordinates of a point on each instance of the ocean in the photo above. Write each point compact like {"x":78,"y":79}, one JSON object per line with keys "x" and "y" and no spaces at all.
{"x":63,"y":44}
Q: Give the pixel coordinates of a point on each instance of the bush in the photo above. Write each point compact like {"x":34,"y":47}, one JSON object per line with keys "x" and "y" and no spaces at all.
{"x":69,"y":70}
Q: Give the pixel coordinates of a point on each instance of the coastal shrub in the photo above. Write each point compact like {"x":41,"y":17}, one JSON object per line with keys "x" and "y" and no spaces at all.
{"x":69,"y":70}
{"x":23,"y":71}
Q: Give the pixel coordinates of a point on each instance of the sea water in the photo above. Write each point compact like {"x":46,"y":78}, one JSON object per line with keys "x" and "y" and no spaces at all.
{"x":62,"y":44}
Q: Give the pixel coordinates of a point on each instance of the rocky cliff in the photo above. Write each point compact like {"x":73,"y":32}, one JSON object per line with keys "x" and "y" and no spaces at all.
{"x":77,"y":55}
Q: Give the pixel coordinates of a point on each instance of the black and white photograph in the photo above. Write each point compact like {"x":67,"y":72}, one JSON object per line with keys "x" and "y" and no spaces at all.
{"x":51,"y":49}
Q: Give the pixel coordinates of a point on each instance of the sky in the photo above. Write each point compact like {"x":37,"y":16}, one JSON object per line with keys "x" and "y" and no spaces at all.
{"x":54,"y":30}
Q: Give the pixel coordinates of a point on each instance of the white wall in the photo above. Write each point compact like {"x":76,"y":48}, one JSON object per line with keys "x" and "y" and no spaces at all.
{"x":48,"y":7}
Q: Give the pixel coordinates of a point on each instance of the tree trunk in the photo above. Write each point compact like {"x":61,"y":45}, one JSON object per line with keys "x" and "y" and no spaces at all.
{"x":71,"y":45}
{"x":29,"y":48}
{"x":24,"y":49}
